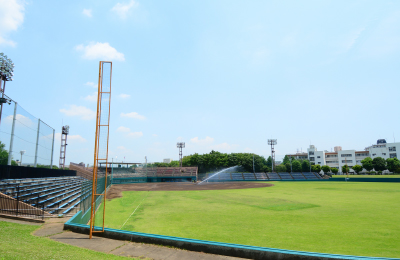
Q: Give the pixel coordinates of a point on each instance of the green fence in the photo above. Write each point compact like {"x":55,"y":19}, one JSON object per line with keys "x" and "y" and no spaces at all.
{"x":86,"y":198}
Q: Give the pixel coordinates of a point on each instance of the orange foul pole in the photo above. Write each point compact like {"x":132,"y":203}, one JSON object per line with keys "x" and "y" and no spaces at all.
{"x":101,"y":140}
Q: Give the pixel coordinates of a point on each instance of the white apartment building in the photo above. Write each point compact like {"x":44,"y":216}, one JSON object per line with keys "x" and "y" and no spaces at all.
{"x":168,"y":160}
{"x":340,"y":157}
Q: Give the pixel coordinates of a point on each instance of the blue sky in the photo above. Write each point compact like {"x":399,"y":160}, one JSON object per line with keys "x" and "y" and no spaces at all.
{"x":222,"y":75}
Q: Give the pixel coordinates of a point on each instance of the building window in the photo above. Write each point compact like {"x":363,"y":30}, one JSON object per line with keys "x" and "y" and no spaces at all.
{"x":312,"y":159}
{"x":311,"y":153}
{"x":346,"y":155}
{"x":361,"y":154}
{"x":319,"y":162}
{"x":332,"y":161}
{"x":347,"y":161}
{"x":383,"y":153}
{"x":358,"y":161}
{"x":331,"y":155}
{"x":392,"y":149}
{"x":318,"y":156}
{"x":393,"y":155}
{"x":373,"y":154}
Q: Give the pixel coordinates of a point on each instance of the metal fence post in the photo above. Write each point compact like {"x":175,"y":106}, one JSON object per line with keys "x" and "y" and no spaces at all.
{"x":17,"y":207}
{"x":12,"y":135}
{"x":43,"y":211}
{"x":52,"y":151}
{"x":37,"y":142}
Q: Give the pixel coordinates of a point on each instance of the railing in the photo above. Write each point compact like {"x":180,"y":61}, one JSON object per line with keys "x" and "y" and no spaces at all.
{"x":15,"y":207}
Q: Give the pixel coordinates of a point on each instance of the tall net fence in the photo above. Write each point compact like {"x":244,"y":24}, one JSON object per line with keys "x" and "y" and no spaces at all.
{"x":28,"y":140}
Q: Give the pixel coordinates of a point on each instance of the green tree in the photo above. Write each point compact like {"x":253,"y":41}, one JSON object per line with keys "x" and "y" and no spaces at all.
{"x":393,"y":165}
{"x":305,"y":166}
{"x":326,"y":169}
{"x":269,"y":162}
{"x":357,"y":168}
{"x":280,"y":168}
{"x":286,"y":160}
{"x":296,"y":166}
{"x":266,"y":169}
{"x":367,"y":164}
{"x":174,"y":163}
{"x":345,"y":168}
{"x":288,"y":168}
{"x":4,"y":156}
{"x":316,"y":168}
{"x":334,"y":170}
{"x":379,"y":164}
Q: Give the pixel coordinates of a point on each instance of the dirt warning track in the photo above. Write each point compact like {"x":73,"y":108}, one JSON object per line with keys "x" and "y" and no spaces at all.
{"x":116,"y":190}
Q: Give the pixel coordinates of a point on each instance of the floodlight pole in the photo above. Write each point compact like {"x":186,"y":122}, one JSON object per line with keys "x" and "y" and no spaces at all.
{"x":180,"y":145}
{"x":2,"y":95}
{"x":254,"y":171}
{"x":272,"y":142}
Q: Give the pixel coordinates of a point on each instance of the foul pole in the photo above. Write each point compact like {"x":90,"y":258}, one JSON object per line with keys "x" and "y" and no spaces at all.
{"x":101,"y":139}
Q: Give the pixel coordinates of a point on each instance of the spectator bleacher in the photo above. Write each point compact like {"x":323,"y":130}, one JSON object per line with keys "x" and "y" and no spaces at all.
{"x":273,"y":176}
{"x":297,"y":176}
{"x":311,"y":175}
{"x":285,"y":176}
{"x":249,"y":176}
{"x":261,"y":176}
{"x":51,"y":194}
{"x":237,"y":176}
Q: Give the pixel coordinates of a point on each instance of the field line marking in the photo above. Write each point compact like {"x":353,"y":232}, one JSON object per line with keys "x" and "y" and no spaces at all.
{"x":134,"y":211}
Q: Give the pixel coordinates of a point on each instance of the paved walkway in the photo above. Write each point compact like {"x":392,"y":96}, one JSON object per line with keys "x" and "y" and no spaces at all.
{"x":53,"y":229}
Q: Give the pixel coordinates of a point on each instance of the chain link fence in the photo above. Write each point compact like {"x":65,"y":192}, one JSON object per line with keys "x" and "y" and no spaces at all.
{"x":28,"y":140}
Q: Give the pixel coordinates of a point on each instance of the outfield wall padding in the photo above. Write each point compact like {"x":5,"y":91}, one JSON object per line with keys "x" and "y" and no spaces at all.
{"x":227,"y":249}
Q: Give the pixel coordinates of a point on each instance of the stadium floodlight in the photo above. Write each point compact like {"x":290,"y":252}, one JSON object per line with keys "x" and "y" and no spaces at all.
{"x":22,"y":153}
{"x":272,"y":142}
{"x":6,"y":74}
{"x":180,"y":145}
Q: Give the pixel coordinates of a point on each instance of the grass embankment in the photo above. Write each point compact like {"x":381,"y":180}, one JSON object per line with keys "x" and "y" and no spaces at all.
{"x":340,"y":218}
{"x":17,"y":242}
{"x":366,"y":176}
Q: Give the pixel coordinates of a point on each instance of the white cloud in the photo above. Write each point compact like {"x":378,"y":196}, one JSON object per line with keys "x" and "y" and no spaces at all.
{"x":91,"y":84}
{"x":81,"y":111}
{"x":123,"y":129}
{"x":155,"y":135}
{"x":135,"y":134}
{"x":20,"y":119}
{"x":134,"y":115}
{"x":91,"y":98}
{"x":124,"y":96}
{"x":100,"y":51}
{"x":71,"y":138}
{"x":11,"y":17}
{"x":207,"y":140}
{"x":87,"y":12}
{"x":128,"y":133}
{"x":122,"y":10}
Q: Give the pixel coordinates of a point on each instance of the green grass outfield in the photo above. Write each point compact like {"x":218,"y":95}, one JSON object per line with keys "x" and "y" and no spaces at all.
{"x":17,"y":242}
{"x":341,"y":218}
{"x":366,"y":176}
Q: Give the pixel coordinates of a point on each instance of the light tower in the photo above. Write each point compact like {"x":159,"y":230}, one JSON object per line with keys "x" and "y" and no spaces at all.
{"x":6,"y":73}
{"x":63,"y":149}
{"x":180,"y":145}
{"x":272,"y":142}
